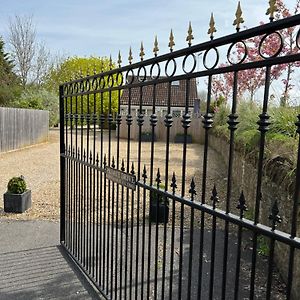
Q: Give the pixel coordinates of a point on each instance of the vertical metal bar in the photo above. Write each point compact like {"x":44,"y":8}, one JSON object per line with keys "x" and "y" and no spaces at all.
{"x":71,"y":178}
{"x":97,"y":221}
{"x":153,"y":122}
{"x":207,"y":124}
{"x":90,"y":244}
{"x":143,"y":236}
{"x":242,"y":207}
{"x":172,"y":247}
{"x":118,"y":122}
{"x":263,"y":128}
{"x":62,"y":165}
{"x":84,"y":209}
{"x":73,"y":164}
{"x":76,"y":178}
{"x":82,"y":229}
{"x":185,"y":124}
{"x":294,"y":218}
{"x":102,"y":207}
{"x":129,"y":123}
{"x":79,"y":204}
{"x":121,"y":242}
{"x":191,"y":244}
{"x":232,"y":127}
{"x":131,"y":239}
{"x":111,"y":197}
{"x":214,"y":198}
{"x":94,"y":199}
{"x":270,"y":268}
{"x":140,"y":122}
{"x":105,"y":223}
{"x":168,"y":123}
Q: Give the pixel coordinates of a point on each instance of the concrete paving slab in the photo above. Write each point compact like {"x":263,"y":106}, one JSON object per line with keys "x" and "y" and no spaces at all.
{"x":34,"y":266}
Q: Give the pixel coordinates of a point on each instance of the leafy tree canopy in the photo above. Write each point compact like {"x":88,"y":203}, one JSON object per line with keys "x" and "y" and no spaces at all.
{"x":72,"y":68}
{"x":8,"y":80}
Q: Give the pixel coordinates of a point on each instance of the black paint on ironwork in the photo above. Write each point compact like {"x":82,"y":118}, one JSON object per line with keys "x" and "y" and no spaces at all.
{"x":106,"y":186}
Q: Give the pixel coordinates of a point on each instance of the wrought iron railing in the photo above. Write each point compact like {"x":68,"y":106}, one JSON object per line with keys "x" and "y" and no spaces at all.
{"x":107,"y":183}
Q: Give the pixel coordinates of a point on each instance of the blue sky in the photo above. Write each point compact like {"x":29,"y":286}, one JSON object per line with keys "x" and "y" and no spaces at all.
{"x":102,"y":27}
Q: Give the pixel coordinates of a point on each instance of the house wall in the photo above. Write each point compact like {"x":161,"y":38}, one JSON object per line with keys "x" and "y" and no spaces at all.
{"x":196,"y":129}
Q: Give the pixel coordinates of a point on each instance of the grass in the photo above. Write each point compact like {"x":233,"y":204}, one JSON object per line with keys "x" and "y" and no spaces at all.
{"x":281,"y":138}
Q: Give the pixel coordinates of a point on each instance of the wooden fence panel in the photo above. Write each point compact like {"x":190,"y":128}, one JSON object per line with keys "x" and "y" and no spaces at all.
{"x":22,"y":127}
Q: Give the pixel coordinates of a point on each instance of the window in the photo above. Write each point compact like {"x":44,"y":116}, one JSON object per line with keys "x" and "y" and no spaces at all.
{"x":175,"y":83}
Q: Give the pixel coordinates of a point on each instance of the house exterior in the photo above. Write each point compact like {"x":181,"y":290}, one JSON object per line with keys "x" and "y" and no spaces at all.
{"x":178,"y":99}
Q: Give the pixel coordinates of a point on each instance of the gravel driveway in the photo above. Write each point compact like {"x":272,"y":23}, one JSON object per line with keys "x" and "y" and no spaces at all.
{"x":39,"y":165}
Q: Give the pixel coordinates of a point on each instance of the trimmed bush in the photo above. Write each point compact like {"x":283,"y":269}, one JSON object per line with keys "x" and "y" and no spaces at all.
{"x":16,"y":185}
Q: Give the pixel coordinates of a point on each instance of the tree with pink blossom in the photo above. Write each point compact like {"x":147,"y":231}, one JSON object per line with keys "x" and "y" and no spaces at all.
{"x":250,"y":80}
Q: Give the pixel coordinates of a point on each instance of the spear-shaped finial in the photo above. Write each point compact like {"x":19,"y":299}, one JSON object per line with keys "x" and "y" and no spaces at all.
{"x":173,"y":184}
{"x":130,"y":56}
{"x":110,"y":62}
{"x":144,"y":175}
{"x":239,"y":19}
{"x":95,"y":70}
{"x":190,"y":36}
{"x":272,"y":9}
{"x":212,"y":29}
{"x":142,"y":53}
{"x":242,"y":205}
{"x":155,"y":49}
{"x":119,"y":59}
{"x":171,"y":41}
{"x":214,"y":196}
{"x":274,"y":216}
{"x":80,"y":72}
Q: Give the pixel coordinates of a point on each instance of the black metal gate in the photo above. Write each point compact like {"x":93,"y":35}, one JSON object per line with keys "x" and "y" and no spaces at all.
{"x":148,"y":218}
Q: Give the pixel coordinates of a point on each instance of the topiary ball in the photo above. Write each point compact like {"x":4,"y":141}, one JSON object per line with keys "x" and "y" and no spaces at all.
{"x":16,"y":185}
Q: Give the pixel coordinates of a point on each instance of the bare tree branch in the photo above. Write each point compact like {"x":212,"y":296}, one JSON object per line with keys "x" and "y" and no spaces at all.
{"x":21,"y":38}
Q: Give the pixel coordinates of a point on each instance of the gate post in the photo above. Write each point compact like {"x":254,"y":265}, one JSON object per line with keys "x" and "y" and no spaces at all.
{"x":62,"y":164}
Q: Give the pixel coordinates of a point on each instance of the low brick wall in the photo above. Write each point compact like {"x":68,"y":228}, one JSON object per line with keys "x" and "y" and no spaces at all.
{"x":280,"y":188}
{"x":196,"y":129}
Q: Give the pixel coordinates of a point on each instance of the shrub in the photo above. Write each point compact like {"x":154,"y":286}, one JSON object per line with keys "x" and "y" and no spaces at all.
{"x":16,"y":185}
{"x":40,"y":98}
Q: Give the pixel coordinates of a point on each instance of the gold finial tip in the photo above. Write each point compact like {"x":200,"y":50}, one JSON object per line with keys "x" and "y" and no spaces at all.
{"x":190,"y":36}
{"x":119,"y":58}
{"x":130,"y":55}
{"x":272,"y":9}
{"x":239,"y":19}
{"x":155,"y":49}
{"x":171,"y":41}
{"x":142,"y":53}
{"x":212,"y":29}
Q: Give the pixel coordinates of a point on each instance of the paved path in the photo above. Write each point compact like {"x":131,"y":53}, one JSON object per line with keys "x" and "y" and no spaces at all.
{"x":33,"y":265}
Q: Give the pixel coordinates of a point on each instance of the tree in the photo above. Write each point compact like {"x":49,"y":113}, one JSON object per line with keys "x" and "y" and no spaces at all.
{"x":8,"y":79}
{"x":32,"y":58}
{"x":290,"y":47}
{"x":70,"y":69}
{"x":250,"y":80}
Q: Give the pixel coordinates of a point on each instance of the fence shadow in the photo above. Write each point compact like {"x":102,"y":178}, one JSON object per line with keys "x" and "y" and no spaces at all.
{"x":42,"y":273}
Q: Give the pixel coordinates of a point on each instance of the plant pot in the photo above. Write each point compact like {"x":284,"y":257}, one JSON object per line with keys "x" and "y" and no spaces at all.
{"x":179,"y":138}
{"x":17,"y":203}
{"x":158,"y":214}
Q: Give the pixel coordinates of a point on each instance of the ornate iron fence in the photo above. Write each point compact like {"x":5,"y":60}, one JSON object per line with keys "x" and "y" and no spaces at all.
{"x":157,"y":219}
